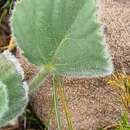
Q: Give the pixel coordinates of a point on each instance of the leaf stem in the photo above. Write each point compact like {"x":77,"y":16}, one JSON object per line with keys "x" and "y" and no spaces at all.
{"x":65,"y":104}
{"x":54,"y":89}
{"x":50,"y":113}
{"x":38,"y":80}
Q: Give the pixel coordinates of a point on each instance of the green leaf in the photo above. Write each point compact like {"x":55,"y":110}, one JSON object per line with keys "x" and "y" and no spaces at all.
{"x":125,"y":119}
{"x":124,"y":122}
{"x":3,"y":99}
{"x":17,"y":94}
{"x":64,"y":34}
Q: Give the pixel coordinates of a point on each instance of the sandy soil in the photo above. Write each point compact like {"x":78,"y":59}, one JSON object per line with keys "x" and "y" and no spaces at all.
{"x":115,"y":15}
{"x":92,"y":103}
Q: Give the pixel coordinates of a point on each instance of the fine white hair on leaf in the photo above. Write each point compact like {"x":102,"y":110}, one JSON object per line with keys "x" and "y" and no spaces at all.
{"x":26,"y":88}
{"x":18,"y":67}
{"x":4,"y":89}
{"x":14,"y":60}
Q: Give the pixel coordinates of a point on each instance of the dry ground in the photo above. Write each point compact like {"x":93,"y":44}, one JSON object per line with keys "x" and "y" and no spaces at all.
{"x":92,"y":103}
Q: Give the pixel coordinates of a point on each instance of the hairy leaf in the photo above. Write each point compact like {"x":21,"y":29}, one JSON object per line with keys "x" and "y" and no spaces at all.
{"x":17,"y":98}
{"x":64,"y":34}
{"x":3,"y":99}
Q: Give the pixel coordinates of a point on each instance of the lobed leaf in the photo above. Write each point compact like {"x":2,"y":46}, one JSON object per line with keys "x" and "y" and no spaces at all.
{"x":17,"y":95}
{"x":64,"y":34}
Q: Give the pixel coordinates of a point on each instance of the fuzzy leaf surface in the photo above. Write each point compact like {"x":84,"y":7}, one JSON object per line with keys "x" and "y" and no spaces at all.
{"x":17,"y":99}
{"x":64,"y":33}
{"x":3,"y":99}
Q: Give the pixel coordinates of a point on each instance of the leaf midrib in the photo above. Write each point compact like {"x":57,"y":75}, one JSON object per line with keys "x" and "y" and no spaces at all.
{"x":64,"y":38}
